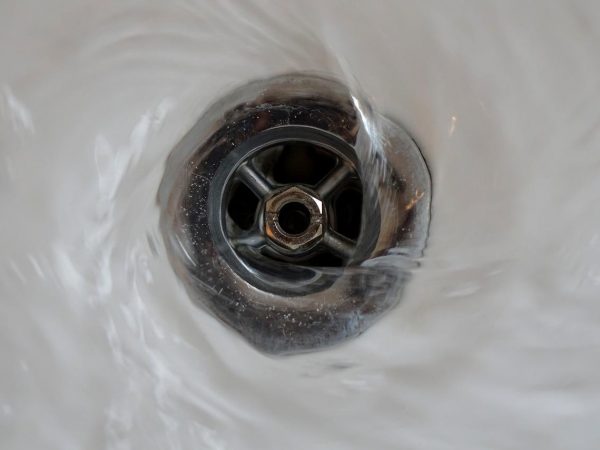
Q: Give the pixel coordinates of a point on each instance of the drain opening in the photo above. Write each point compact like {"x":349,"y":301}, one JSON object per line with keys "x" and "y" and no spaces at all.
{"x":297,"y":162}
{"x":348,"y":209}
{"x":292,"y":195}
{"x":243,"y":206}
{"x":294,"y":218}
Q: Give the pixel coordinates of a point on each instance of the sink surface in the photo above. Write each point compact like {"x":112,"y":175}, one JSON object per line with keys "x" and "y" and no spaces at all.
{"x":496,"y":341}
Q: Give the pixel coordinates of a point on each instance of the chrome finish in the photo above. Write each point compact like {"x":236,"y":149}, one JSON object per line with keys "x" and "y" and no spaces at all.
{"x":294,"y":213}
{"x":333,"y":181}
{"x":307,"y":236}
{"x":254,"y":180}
{"x":338,"y":244}
{"x":257,"y":244}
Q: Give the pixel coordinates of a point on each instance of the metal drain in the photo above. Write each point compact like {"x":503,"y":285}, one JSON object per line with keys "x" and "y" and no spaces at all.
{"x":292,"y":219}
{"x":293,"y":195}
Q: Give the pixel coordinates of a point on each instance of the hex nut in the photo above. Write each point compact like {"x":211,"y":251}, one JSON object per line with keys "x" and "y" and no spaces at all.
{"x":307,"y":239}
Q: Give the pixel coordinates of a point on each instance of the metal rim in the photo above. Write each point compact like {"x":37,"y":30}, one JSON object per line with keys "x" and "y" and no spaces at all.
{"x":293,"y":306}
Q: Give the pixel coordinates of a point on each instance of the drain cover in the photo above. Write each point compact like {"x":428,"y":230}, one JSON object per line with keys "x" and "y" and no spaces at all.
{"x":293,"y":216}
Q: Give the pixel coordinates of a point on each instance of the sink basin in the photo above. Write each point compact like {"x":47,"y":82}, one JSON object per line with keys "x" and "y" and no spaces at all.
{"x":495,"y":341}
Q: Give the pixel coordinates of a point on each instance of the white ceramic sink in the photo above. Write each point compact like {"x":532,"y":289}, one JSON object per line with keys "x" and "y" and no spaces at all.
{"x":497,"y":341}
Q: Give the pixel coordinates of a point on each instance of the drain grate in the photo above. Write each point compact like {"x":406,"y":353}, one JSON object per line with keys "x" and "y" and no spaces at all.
{"x":293,"y":194}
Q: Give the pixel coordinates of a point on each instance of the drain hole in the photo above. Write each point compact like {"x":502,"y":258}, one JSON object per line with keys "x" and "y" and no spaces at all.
{"x":348,"y":210}
{"x":261,"y":225}
{"x":242,"y":206}
{"x":294,"y":218}
{"x":302,"y":162}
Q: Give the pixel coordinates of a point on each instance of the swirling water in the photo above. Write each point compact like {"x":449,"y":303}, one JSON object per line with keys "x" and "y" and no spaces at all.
{"x":497,"y":341}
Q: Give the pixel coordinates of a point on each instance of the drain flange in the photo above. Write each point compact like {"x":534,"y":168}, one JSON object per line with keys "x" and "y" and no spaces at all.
{"x":289,"y":217}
